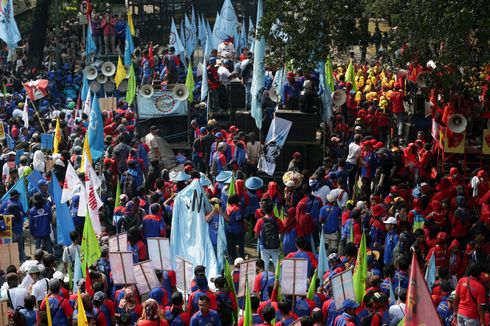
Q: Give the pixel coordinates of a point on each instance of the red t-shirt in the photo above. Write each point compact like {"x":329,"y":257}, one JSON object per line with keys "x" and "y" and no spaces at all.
{"x":468,"y":306}
{"x":162,"y":322}
{"x":260,"y":223}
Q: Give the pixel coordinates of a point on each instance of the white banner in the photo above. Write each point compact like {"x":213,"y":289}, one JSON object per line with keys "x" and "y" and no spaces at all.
{"x":276,"y":137}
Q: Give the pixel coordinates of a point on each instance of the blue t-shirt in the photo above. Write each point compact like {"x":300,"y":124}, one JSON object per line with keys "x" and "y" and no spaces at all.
{"x":329,"y":215}
{"x":213,"y":229}
{"x":29,"y":315}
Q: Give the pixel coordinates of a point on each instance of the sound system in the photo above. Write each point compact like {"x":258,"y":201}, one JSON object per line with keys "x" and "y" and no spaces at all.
{"x":311,"y":155}
{"x":237,"y":95}
{"x":173,"y":129}
{"x":304,"y":125}
{"x":416,"y":123}
{"x":245,"y":122}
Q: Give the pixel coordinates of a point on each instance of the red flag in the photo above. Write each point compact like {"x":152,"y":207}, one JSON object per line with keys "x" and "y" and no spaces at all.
{"x":89,"y":8}
{"x":88,"y":283}
{"x":419,"y":309}
{"x":150,"y":56}
{"x":36,"y":89}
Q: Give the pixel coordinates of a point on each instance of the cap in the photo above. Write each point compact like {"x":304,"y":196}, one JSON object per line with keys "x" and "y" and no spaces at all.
{"x":238,"y":261}
{"x":218,"y":135}
{"x":181,"y":176}
{"x":34,"y":269}
{"x":59,"y":162}
{"x":54,"y":282}
{"x":223,"y":176}
{"x":330,"y":198}
{"x":391,"y":220}
{"x":350,"y":304}
{"x":203,"y":130}
{"x":99,"y":296}
{"x":254,"y":183}
{"x":333,"y":256}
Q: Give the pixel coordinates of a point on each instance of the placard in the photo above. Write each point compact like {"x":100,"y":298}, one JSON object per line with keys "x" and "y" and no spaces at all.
{"x":107,"y":104}
{"x":146,"y":276}
{"x":9,"y":255}
{"x":49,"y":165}
{"x":4,"y":310}
{"x":342,"y":288}
{"x":248,"y":271}
{"x":2,"y":131}
{"x":6,"y":236}
{"x":294,"y":275}
{"x":184,"y":272}
{"x":47,"y":141}
{"x":18,"y":154}
{"x":118,"y":242}
{"x":454,"y":144}
{"x":10,"y":142}
{"x":159,"y":252}
{"x":122,"y":267}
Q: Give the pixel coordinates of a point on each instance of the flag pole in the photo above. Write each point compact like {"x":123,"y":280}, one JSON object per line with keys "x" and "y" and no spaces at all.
{"x":39,"y":118}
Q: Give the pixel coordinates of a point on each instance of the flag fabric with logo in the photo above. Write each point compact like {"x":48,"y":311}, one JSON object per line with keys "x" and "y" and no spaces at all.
{"x":128,"y":47}
{"x":82,"y":316}
{"x":36,"y":89}
{"x":204,"y":83}
{"x":251,"y":34}
{"x":419,"y":309}
{"x":131,"y":92}
{"x":325,"y":93}
{"x":228,"y":20}
{"x":194,"y":28}
{"x":71,"y":181}
{"x":360,"y":271}
{"x":259,"y":73}
{"x":89,"y":249}
{"x":189,"y":36}
{"x":243,"y":36}
{"x":430,"y":273}
{"x":312,"y":289}
{"x":87,"y":105}
{"x":20,"y":186}
{"x":322,"y":257}
{"x":64,"y":221}
{"x":96,"y":131}
{"x":174,"y":39}
{"x":90,"y":48}
{"x":330,"y":79}
{"x":120,"y":73}
{"x":57,"y":137}
{"x":25,"y":114}
{"x":9,"y":32}
{"x":189,"y":83}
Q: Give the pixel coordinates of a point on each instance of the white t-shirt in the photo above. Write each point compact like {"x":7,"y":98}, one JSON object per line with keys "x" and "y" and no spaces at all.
{"x":397,"y":311}
{"x":341,"y":196}
{"x":40,"y":288}
{"x":322,"y":193}
{"x":226,"y":51}
{"x":17,"y":295}
{"x":224,"y":75}
{"x":354,"y":153}
{"x":70,"y":253}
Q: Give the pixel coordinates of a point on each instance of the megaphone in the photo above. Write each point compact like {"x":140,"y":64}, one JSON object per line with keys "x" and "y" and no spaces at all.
{"x":339,"y":97}
{"x":146,"y":90}
{"x":102,"y":79}
{"x":108,"y":68}
{"x":273,"y":95}
{"x":123,"y":86}
{"x":94,"y":86}
{"x":180,"y":92}
{"x":401,"y":73}
{"x":457,"y":123}
{"x":109,"y":87}
{"x":91,"y":72}
{"x":420,"y":80}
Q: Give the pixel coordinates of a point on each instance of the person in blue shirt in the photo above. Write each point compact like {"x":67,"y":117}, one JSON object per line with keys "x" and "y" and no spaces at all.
{"x":28,"y":311}
{"x":290,"y":92}
{"x":40,"y":222}
{"x":120,"y":30}
{"x":329,"y":217}
{"x":235,"y":234}
{"x":14,"y":207}
{"x":445,"y":310}
{"x":154,"y":223}
{"x":349,"y":315}
{"x":213,"y":220}
{"x":205,"y":316}
{"x":263,"y":280}
{"x":391,"y":240}
{"x":401,"y":274}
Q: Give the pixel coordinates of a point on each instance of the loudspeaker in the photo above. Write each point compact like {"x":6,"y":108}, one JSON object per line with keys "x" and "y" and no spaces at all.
{"x":311,"y":156}
{"x":245,"y":122}
{"x":237,"y":96}
{"x":304,"y":125}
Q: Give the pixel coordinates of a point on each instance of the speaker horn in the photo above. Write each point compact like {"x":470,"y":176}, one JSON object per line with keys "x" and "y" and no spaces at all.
{"x":91,"y":72}
{"x":420,"y":80}
{"x":94,"y":86}
{"x":108,"y":68}
{"x":146,"y":90}
{"x":180,"y":92}
{"x":457,"y":123}
{"x":339,"y":97}
{"x":123,"y":86}
{"x":273,"y":95}
{"x":102,"y":79}
{"x":109,"y":87}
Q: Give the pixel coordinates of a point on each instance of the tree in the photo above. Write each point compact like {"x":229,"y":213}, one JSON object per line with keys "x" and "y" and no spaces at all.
{"x":308,"y":31}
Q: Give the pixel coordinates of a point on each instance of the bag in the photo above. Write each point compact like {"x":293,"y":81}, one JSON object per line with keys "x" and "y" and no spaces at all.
{"x":418,"y":220}
{"x":129,"y":185}
{"x":269,"y":235}
{"x":19,"y":318}
{"x":366,"y":321}
{"x":225,"y":312}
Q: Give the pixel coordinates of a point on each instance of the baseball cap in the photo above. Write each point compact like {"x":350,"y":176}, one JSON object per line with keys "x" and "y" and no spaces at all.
{"x":391,"y":220}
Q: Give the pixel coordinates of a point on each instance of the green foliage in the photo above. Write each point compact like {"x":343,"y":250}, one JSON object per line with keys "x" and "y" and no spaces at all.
{"x":307,"y":31}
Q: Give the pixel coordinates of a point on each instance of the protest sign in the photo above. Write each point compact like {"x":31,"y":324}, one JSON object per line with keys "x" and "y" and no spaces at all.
{"x":342,"y":288}
{"x":9,"y":255}
{"x":147,"y":279}
{"x":159,"y":252}
{"x":247,"y":273}
{"x":6,"y":236}
{"x":18,"y":154}
{"x":184,"y":272}
{"x":122,"y":267}
{"x":118,"y":242}
{"x":107,"y":104}
{"x":47,"y":141}
{"x":294,"y":275}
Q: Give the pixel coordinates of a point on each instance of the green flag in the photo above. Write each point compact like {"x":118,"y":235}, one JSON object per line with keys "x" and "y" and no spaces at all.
{"x":360,"y":271}
{"x":350,"y":76}
{"x":231,"y":285}
{"x":277,"y":277}
{"x":117,"y":200}
{"x":276,"y":211}
{"x":401,"y":322}
{"x":247,"y":316}
{"x":189,"y":83}
{"x":131,"y":92}
{"x":312,"y":288}
{"x":329,"y":75}
{"x":90,"y":249}
{"x":231,"y":188}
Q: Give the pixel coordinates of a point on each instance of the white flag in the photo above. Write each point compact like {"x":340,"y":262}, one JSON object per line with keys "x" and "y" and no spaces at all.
{"x":87,"y":106}
{"x":25,"y":114}
{"x":92,"y":199}
{"x":71,"y":181}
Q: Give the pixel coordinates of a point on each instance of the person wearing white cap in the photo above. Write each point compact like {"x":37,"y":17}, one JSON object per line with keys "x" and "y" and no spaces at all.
{"x":391,"y":240}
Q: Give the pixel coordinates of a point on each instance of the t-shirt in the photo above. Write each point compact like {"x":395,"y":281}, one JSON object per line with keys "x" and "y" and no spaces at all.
{"x":224,"y":75}
{"x":39,"y":289}
{"x":354,"y":153}
{"x":322,"y":193}
{"x":70,"y":253}
{"x":17,"y":295}
{"x":468,"y":305}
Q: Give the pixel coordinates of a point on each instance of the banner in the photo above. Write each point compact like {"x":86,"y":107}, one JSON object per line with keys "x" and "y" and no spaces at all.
{"x":276,"y":137}
{"x":47,"y":141}
{"x":161,"y":104}
{"x":146,"y":276}
{"x":122,"y":267}
{"x":36,"y":89}
{"x":247,"y":275}
{"x":294,"y":276}
{"x":342,"y":288}
{"x":9,"y":255}
{"x":159,"y":252}
{"x":6,"y":236}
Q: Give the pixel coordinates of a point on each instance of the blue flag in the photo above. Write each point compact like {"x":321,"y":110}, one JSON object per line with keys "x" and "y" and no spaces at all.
{"x":194,"y":28}
{"x":204,"y":83}
{"x":221,"y":251}
{"x":84,"y":91}
{"x":430,"y":273}
{"x":20,"y":186}
{"x":33,"y":178}
{"x":258,"y":78}
{"x":251,"y":34}
{"x":190,"y":36}
{"x":322,"y":257}
{"x":129,"y":47}
{"x":64,"y":221}
{"x":243,"y":37}
{"x":218,"y":37}
{"x":209,"y":34}
{"x":202,"y":32}
{"x":174,"y":39}
{"x":325,"y":94}
{"x":9,"y":32}
{"x":228,"y":20}
{"x":96,"y":131}
{"x":91,"y":48}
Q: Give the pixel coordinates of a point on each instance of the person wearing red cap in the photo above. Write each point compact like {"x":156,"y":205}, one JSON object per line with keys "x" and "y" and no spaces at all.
{"x":290,"y":92}
{"x":377,"y":228}
{"x":439,"y":250}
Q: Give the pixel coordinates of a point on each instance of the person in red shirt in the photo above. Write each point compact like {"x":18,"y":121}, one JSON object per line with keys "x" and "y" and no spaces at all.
{"x":439,"y":250}
{"x":470,"y":299}
{"x":397,"y":99}
{"x":151,"y":315}
{"x":267,"y":253}
{"x":175,"y":313}
{"x":268,"y":314}
{"x":61,"y":310}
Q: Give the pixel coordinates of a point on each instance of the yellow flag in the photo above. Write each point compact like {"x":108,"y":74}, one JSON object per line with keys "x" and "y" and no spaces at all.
{"x":120,"y":73}
{"x":82,"y":317}
{"x":48,"y":311}
{"x":86,"y":152}
{"x":130,"y":23}
{"x":57,"y":137}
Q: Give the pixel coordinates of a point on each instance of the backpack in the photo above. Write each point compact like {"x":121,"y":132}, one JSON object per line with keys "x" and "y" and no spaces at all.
{"x":418,"y":220}
{"x":366,"y":321}
{"x":19,"y":318}
{"x":225,"y":312}
{"x":129,"y":185}
{"x":269,"y":235}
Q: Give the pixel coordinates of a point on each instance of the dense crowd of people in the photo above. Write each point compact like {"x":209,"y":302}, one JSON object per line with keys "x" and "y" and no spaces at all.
{"x":373,"y":183}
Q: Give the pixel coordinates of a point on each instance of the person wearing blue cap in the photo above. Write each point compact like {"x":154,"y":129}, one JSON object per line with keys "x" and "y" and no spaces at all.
{"x":348,"y":318}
